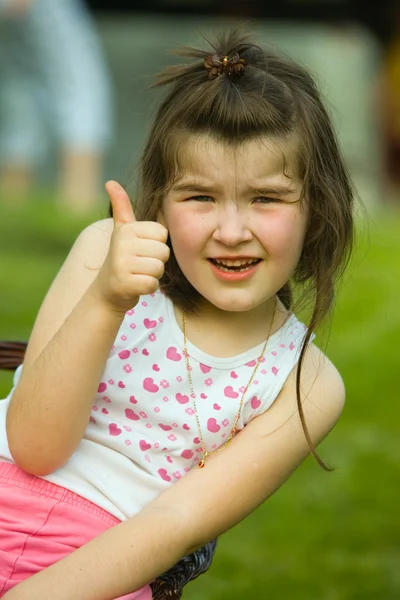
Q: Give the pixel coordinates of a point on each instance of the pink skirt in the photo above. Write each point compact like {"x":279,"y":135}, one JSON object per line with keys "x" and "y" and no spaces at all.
{"x":40,"y":523}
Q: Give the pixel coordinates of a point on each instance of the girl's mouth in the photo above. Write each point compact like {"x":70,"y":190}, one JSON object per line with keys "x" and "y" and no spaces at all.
{"x":234,"y":266}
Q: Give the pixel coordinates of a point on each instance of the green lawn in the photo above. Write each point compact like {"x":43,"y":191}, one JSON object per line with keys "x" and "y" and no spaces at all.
{"x":323,"y":536}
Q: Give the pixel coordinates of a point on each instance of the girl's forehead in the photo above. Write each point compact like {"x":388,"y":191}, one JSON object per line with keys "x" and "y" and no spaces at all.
{"x":255,"y":159}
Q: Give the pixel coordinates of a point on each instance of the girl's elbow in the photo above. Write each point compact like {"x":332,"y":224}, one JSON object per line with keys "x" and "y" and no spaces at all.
{"x":35,"y":454}
{"x":32,"y":464}
{"x":35,"y":461}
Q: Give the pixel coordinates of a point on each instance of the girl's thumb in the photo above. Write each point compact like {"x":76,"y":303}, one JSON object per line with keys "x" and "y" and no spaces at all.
{"x":121,"y":205}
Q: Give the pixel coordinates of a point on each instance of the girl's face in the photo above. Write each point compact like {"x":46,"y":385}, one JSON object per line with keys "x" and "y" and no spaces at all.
{"x":235,"y":221}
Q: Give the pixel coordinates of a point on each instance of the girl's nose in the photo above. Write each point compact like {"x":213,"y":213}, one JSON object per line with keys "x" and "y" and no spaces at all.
{"x":232,"y":228}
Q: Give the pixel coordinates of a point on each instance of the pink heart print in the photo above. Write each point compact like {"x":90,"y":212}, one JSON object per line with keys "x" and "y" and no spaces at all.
{"x":114,"y":429}
{"x":165,"y":427}
{"x":133,"y":400}
{"x":163,"y":473}
{"x":252,"y":363}
{"x":149,"y":324}
{"x":156,"y":368}
{"x":217,"y":406}
{"x":230,"y":392}
{"x":121,"y":384}
{"x":144,"y":445}
{"x":196,"y":440}
{"x":186,"y":427}
{"x":182,"y":398}
{"x":102,"y":387}
{"x":275,"y":370}
{"x":149,"y":385}
{"x":169,"y":459}
{"x":255,"y":402}
{"x":202,"y":395}
{"x":145,"y":352}
{"x":205,"y":368}
{"x":233,"y":375}
{"x":173,"y":354}
{"x":124,"y":354}
{"x":130,"y":414}
{"x":213,"y":426}
{"x":187,"y":454}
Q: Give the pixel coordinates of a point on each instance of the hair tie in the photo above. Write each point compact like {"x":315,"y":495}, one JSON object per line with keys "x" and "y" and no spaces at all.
{"x":232,"y":65}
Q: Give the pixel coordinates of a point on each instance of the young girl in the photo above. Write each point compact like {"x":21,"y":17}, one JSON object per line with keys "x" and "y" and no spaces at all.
{"x":166,"y":351}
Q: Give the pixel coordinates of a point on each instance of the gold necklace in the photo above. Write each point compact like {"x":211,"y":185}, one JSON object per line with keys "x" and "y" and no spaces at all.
{"x":206,"y":454}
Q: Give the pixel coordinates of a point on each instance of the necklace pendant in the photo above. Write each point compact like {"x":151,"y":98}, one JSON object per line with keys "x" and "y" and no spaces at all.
{"x":203,"y":460}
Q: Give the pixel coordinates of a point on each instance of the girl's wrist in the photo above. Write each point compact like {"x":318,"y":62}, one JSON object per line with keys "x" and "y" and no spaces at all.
{"x":96,"y":296}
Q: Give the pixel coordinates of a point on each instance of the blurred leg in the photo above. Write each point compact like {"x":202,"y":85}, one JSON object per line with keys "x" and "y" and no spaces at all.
{"x":21,"y":126}
{"x":80,"y":175}
{"x":16,"y":182}
{"x":77,"y":79}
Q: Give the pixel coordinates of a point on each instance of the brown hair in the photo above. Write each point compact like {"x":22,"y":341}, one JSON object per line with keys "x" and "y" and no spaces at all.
{"x":275,"y":97}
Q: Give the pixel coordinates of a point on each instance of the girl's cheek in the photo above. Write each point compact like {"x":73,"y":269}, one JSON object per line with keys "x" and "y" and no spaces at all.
{"x":282,"y":235}
{"x":189,"y":229}
{"x":278,"y":228}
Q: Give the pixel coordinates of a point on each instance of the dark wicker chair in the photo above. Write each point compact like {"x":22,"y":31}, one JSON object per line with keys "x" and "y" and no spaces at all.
{"x":168,"y":586}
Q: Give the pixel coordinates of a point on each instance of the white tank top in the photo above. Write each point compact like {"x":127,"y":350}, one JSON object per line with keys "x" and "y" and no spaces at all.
{"x":142,"y":435}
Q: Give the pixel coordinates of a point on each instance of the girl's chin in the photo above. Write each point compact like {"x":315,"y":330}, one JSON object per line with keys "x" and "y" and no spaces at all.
{"x":232,"y":304}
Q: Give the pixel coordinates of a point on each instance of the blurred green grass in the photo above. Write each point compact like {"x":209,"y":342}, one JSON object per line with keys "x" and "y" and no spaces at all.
{"x":323,"y":536}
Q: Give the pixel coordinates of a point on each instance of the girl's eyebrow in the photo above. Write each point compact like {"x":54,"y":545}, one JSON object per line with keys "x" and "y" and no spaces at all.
{"x":191,"y":186}
{"x":276,"y":190}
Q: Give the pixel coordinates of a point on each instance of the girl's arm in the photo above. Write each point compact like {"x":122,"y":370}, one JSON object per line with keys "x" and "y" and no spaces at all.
{"x":65,"y":357}
{"x":203,"y":504}
{"x":110,"y":266}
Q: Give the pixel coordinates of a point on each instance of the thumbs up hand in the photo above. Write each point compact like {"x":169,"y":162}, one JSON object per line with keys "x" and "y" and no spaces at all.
{"x":136,"y":257}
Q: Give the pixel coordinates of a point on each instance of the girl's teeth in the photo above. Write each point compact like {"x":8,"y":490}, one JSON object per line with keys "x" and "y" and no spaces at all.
{"x":227,"y":270}
{"x":235,"y":263}
{"x":235,"y":267}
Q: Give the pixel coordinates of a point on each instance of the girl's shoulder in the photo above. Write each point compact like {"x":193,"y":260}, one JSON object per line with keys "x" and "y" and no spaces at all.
{"x":103,"y":225}
{"x":93,"y":242}
{"x":321,"y":383}
{"x":78,"y":271}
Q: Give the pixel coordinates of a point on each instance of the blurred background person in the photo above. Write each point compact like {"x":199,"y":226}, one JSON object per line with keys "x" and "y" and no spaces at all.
{"x":55,"y":100}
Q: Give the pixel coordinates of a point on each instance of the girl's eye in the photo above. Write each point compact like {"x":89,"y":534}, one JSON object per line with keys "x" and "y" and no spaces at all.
{"x":201,"y":198}
{"x":266,"y":200}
